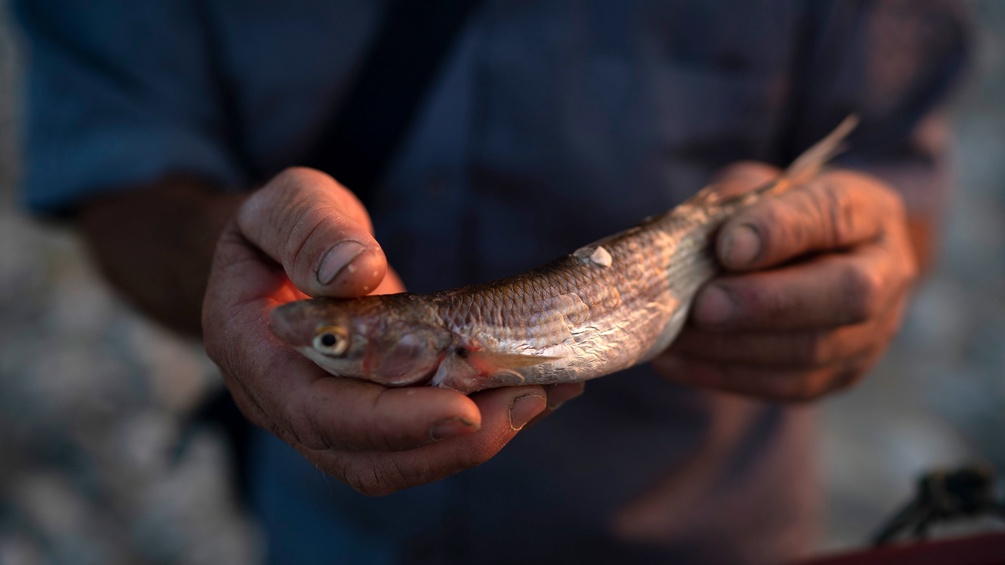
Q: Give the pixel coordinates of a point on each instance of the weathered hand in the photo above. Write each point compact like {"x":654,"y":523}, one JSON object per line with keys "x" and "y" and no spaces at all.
{"x":815,"y":285}
{"x":304,"y":234}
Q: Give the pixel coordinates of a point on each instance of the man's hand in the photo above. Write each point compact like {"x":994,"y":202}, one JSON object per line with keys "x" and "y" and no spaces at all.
{"x":815,"y":285}
{"x":302,"y":235}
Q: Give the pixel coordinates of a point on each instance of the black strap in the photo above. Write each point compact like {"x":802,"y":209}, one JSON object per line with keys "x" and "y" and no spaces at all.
{"x":412,"y":43}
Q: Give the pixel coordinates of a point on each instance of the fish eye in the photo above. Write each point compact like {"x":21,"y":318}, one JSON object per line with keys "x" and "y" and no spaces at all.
{"x":331,"y":340}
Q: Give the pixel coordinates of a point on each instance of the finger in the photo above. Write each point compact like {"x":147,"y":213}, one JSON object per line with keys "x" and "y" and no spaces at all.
{"x":744,"y":176}
{"x":239,"y":275}
{"x":349,"y":414}
{"x":285,"y":392}
{"x":504,"y":412}
{"x":558,"y":394}
{"x":837,"y":210}
{"x":766,"y":384}
{"x":318,"y":411}
{"x":391,"y":284}
{"x":240,"y":291}
{"x":790,"y":349}
{"x":238,"y":278}
{"x":317,"y":230}
{"x":298,"y":402}
{"x":825,"y":292}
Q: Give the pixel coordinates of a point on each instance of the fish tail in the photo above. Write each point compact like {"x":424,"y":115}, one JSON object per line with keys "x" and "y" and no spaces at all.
{"x":806,"y":166}
{"x":813,"y":160}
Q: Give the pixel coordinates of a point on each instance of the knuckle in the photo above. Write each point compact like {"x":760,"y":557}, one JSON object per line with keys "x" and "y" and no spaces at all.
{"x":805,"y":391}
{"x":294,"y":188}
{"x":862,"y":291}
{"x":816,"y":215}
{"x":820,"y":384}
{"x":896,"y":204}
{"x":773,"y":222}
{"x":383,"y":431}
{"x":306,"y":184}
{"x":817,"y":349}
{"x":891,"y":201}
{"x":846,"y":377}
{"x":297,"y":245}
{"x":801,"y":217}
{"x":837,"y":212}
{"x":911,"y":269}
{"x":279,"y":197}
{"x":295,"y":177}
{"x":763,"y":300}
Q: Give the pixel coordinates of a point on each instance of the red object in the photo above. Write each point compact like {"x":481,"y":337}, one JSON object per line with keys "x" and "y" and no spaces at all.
{"x":985,"y":549}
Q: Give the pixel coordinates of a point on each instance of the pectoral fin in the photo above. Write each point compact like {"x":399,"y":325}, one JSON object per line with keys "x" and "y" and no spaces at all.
{"x":492,"y":361}
{"x":467,"y":371}
{"x":455,"y":373}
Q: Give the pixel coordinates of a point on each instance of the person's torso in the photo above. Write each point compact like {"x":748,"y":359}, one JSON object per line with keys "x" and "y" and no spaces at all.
{"x":553,"y":124}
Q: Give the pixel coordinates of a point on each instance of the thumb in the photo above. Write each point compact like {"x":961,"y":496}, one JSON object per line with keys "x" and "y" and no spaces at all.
{"x":736,"y":240}
{"x":318,"y":230}
{"x":744,"y":176}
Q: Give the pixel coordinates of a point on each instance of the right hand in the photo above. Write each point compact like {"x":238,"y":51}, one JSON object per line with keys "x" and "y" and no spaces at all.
{"x":376,"y":439}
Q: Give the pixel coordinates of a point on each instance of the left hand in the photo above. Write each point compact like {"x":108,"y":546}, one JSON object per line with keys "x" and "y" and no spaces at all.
{"x":286,"y":241}
{"x":815,"y":285}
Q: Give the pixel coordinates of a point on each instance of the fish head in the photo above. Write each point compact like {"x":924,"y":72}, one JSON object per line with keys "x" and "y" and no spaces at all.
{"x":389,"y":339}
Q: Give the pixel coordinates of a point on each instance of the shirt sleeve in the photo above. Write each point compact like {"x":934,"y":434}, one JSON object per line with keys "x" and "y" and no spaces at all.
{"x":119,"y":93}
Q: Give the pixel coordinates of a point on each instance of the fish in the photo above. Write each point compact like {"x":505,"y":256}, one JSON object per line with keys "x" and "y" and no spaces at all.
{"x":607,"y":306}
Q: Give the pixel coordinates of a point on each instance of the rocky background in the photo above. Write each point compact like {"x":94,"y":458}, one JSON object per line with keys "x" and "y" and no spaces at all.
{"x":98,"y":465}
{"x":938,"y":398}
{"x":97,"y":462}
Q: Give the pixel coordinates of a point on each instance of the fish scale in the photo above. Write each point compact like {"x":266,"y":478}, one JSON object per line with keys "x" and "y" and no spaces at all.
{"x":607,"y":306}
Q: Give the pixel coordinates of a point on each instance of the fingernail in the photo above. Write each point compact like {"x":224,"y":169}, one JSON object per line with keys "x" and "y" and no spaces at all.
{"x":338,"y":259}
{"x":449,"y":428}
{"x":743,"y":245}
{"x":524,"y":408}
{"x":714,"y":306}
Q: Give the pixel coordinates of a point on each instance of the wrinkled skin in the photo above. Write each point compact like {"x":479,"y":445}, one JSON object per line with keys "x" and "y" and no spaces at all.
{"x":376,"y":439}
{"x":815,"y":287}
{"x":810,"y":303}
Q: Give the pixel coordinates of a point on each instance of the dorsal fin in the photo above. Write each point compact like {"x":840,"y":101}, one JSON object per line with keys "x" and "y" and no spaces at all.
{"x":806,"y":166}
{"x":810,"y":162}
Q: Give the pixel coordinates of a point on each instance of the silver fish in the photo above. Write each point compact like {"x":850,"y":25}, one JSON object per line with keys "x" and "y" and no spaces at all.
{"x":608,"y":306}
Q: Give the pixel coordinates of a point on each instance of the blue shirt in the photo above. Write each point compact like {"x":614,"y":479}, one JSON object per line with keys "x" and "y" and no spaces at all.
{"x":551,"y":124}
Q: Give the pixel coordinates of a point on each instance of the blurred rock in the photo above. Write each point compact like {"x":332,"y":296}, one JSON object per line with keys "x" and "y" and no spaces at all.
{"x":938,"y":399}
{"x":97,"y":465}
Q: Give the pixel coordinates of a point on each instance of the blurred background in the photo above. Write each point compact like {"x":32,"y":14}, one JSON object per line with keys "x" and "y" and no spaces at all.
{"x":97,"y":464}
